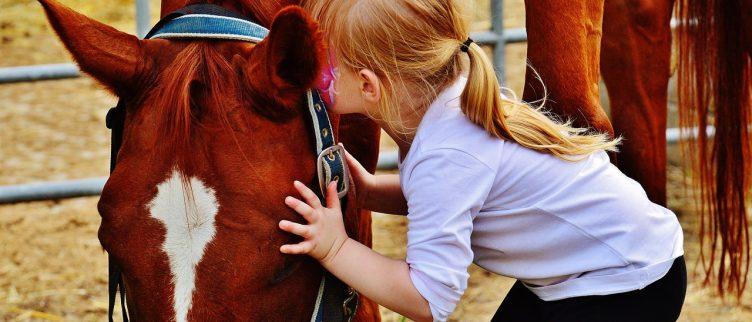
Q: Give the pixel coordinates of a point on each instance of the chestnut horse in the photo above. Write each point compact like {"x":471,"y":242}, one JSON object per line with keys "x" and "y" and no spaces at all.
{"x":630,"y":41}
{"x":214,"y":136}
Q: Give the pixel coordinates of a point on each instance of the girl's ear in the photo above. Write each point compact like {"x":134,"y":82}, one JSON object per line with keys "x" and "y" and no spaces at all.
{"x":110,"y":56}
{"x":286,"y":64}
{"x":370,"y":86}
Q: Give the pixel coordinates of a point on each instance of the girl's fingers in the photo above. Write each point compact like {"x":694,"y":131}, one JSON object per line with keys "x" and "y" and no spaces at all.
{"x":299,"y":248}
{"x":295,"y":228}
{"x":332,"y":199}
{"x":300,"y":207}
{"x":347,"y":153}
{"x":342,"y":145}
{"x":309,"y":196}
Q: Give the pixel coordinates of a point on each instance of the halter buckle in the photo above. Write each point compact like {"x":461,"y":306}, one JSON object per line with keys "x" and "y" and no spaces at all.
{"x":328,"y":166}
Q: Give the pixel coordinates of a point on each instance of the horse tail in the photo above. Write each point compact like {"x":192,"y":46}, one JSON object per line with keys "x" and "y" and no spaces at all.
{"x":714,"y":81}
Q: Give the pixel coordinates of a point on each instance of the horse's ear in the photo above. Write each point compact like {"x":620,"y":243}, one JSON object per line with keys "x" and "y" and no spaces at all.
{"x":287,"y":63}
{"x":110,"y":56}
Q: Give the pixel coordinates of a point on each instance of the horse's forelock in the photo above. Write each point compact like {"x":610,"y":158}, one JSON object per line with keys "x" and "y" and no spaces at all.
{"x":199,"y":83}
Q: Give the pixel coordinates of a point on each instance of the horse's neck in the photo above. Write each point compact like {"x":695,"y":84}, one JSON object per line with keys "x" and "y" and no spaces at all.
{"x":262,"y":10}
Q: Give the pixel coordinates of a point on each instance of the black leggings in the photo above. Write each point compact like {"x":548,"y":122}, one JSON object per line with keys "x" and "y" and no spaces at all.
{"x":660,"y":301}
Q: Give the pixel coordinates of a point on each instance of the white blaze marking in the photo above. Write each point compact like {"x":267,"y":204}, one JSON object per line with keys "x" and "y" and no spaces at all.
{"x":189,"y":222}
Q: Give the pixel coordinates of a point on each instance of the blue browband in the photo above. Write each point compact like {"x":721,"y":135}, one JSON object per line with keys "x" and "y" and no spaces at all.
{"x":335,"y":301}
{"x":212,"y":27}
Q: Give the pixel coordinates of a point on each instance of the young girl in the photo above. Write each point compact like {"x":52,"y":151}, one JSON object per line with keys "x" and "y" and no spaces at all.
{"x":482,"y":179}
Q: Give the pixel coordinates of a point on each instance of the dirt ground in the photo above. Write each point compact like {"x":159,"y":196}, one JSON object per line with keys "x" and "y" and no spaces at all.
{"x":51,"y":264}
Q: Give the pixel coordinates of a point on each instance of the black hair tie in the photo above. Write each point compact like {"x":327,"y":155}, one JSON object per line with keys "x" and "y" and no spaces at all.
{"x":466,"y":45}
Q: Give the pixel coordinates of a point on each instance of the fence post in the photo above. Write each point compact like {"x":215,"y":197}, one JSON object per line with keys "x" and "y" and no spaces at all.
{"x":497,"y":27}
{"x":143,"y":18}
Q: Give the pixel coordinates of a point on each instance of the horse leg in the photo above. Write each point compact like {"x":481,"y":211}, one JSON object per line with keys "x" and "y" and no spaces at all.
{"x":635,"y":61}
{"x":563,"y":48}
{"x":748,"y":27}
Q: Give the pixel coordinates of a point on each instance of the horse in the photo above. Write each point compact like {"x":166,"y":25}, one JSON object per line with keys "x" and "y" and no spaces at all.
{"x":213,"y":137}
{"x":572,"y":43}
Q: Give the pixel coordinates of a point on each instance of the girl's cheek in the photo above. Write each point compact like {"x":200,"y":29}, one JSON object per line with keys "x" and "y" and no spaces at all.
{"x":340,"y":104}
{"x":344,"y":102}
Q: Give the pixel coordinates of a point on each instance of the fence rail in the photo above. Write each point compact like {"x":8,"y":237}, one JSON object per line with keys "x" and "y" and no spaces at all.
{"x":51,"y":190}
{"x":93,"y":186}
{"x":38,"y":72}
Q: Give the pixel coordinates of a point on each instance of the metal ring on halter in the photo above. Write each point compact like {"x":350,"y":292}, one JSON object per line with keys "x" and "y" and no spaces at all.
{"x":350,"y":305}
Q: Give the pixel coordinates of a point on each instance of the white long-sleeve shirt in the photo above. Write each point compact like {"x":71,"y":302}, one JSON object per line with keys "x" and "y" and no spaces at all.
{"x":565,"y":229}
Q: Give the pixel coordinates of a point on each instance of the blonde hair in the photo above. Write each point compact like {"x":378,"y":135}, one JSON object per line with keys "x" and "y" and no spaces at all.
{"x":414,"y":46}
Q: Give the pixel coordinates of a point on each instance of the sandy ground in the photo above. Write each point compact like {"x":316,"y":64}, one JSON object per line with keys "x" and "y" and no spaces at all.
{"x":51,"y":264}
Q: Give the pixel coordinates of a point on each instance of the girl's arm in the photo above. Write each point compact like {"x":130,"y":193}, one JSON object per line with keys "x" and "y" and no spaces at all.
{"x":380,"y":193}
{"x":384,"y":280}
{"x":385,"y":195}
{"x":446,"y":193}
{"x":388,"y":281}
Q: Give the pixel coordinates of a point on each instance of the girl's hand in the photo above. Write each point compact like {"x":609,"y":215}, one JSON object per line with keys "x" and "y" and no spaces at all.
{"x":364,"y":180}
{"x":325,"y":233}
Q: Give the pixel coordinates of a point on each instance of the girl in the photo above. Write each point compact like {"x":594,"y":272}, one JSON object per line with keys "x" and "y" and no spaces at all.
{"x":482,"y":179}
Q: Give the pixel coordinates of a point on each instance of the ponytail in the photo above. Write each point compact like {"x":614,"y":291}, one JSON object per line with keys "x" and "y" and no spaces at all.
{"x":513,"y":120}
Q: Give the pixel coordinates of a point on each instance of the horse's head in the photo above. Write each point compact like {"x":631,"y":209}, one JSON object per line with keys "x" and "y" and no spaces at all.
{"x":214,"y":136}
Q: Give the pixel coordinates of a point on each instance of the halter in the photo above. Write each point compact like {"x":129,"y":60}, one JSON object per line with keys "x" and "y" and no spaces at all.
{"x":335,"y":301}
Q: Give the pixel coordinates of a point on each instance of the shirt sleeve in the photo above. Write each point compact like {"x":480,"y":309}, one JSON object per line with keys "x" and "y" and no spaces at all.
{"x":445,"y":190}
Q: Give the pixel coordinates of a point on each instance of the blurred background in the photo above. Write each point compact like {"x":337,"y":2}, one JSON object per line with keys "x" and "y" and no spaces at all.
{"x":52,"y":267}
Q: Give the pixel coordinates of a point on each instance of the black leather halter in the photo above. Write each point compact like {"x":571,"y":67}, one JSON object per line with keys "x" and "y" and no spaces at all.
{"x":335,"y":301}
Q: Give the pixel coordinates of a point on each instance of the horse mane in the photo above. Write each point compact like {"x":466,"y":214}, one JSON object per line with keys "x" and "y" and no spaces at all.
{"x":193,"y":87}
{"x":714,"y":84}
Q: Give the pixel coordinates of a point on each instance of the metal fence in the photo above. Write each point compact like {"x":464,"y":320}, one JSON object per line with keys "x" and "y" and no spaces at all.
{"x":497,"y":37}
